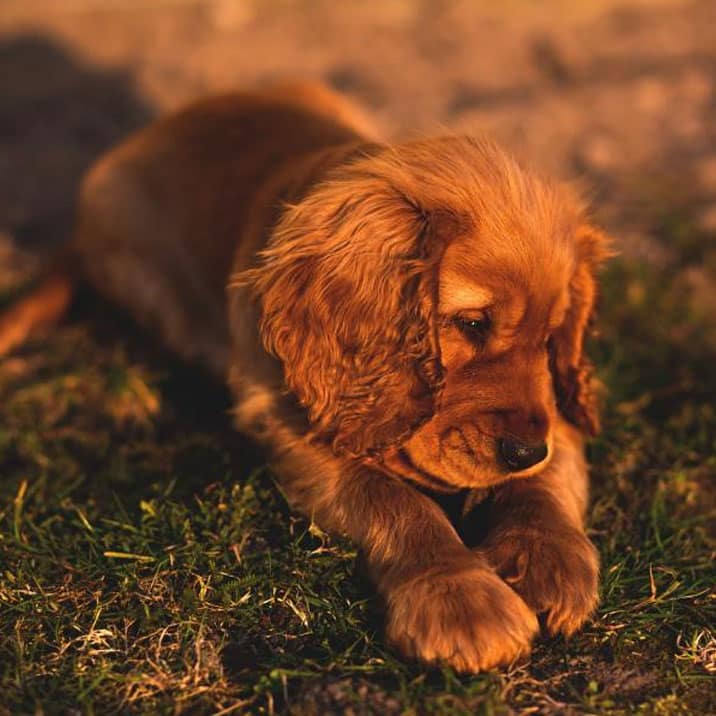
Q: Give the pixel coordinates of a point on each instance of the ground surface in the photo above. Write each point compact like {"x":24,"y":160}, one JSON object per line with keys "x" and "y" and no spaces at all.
{"x":148,"y":563}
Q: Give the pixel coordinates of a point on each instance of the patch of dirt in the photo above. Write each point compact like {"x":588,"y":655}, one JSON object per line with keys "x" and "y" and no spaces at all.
{"x":615,"y":680}
{"x":346,"y":697}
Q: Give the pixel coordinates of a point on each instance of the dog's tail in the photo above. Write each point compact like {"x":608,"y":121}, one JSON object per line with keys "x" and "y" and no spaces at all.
{"x":42,"y":306}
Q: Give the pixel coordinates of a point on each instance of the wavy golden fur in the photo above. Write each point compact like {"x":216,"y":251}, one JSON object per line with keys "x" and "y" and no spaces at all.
{"x":396,"y":322}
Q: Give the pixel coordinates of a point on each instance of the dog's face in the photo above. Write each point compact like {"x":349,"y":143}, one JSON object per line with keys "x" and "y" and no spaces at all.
{"x":429,"y":306}
{"x":500,"y":299}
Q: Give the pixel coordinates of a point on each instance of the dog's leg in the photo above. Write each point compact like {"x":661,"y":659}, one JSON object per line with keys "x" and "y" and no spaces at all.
{"x":537,"y":542}
{"x":444,"y":602}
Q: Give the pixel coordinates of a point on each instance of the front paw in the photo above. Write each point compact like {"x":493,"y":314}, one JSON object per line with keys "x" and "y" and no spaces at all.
{"x":465,"y":616}
{"x":555,"y":572}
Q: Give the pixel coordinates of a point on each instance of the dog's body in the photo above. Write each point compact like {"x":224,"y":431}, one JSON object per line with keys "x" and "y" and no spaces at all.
{"x":394,"y":317}
{"x":165,"y":216}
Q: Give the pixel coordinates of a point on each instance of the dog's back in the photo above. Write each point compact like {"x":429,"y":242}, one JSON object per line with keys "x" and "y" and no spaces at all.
{"x":163,"y":217}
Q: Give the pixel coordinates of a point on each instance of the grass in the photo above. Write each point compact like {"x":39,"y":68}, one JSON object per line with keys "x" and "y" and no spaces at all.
{"x":149,"y":563}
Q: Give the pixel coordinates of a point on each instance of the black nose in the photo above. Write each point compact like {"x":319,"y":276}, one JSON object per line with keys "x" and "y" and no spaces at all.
{"x":519,"y":456}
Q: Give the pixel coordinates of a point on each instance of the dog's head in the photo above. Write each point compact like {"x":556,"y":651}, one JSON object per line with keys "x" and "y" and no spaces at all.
{"x":429,"y":304}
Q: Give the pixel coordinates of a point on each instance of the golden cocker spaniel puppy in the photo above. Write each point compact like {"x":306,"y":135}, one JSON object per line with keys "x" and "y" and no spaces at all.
{"x":395,"y":322}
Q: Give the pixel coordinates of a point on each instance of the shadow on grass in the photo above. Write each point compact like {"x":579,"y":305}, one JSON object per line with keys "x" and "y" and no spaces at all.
{"x":56,"y":115}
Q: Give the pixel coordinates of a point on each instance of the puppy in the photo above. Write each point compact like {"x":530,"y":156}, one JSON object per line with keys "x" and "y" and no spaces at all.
{"x":395,"y":322}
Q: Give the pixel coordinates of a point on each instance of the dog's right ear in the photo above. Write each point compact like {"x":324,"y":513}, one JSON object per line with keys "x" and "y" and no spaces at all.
{"x":345,"y":292}
{"x":572,"y":371}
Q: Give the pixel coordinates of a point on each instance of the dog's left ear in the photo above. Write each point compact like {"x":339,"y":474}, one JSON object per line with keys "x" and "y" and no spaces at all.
{"x":345,"y":290}
{"x":575,"y":385}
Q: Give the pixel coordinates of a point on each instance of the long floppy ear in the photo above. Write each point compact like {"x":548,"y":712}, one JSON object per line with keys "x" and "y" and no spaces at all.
{"x":346,"y":295}
{"x":575,"y":385}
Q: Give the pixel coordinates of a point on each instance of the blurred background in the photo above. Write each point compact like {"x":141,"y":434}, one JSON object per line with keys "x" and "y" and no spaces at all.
{"x":616,"y":93}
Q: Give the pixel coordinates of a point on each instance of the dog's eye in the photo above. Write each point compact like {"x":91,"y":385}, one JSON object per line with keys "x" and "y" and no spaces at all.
{"x":474,"y":327}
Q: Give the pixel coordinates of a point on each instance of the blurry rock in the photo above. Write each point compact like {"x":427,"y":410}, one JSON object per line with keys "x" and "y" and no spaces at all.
{"x":599,"y":152}
{"x":651,"y":94}
{"x":356,"y":83}
{"x":707,"y":219}
{"x":697,"y":85}
{"x":551,"y":60}
{"x":690,"y":126}
{"x":707,"y":173}
{"x":230,"y":14}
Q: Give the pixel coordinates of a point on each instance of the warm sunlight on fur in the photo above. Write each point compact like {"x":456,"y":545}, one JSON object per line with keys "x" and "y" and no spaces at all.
{"x":400,"y":320}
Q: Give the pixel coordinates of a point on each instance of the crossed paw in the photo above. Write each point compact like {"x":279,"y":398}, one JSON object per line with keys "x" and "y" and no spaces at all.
{"x":555,"y":572}
{"x":482,"y":612}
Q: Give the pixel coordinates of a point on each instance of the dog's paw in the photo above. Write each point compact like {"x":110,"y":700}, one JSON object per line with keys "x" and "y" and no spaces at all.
{"x":555,"y":573}
{"x":465,"y":617}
